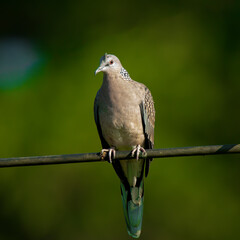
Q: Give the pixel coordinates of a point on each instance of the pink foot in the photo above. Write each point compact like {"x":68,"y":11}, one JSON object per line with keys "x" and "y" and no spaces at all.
{"x":111,"y":154}
{"x":136,"y":151}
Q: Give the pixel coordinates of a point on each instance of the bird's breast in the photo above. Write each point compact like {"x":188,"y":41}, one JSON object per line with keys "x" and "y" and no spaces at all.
{"x":121,"y":125}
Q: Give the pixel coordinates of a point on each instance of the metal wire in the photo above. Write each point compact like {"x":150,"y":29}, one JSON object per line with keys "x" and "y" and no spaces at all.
{"x":120,"y":155}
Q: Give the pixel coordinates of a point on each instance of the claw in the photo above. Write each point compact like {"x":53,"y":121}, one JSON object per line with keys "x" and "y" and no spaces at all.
{"x":111,"y":154}
{"x":137,"y":151}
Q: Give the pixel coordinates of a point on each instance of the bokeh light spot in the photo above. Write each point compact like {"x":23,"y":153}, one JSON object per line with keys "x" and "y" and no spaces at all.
{"x":19,"y":61}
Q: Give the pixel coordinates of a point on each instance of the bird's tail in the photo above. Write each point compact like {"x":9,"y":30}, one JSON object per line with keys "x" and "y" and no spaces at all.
{"x":132,"y":198}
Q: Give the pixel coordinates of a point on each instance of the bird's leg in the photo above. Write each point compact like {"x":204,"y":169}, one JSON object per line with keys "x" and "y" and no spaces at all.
{"x":136,"y":150}
{"x":111,"y":153}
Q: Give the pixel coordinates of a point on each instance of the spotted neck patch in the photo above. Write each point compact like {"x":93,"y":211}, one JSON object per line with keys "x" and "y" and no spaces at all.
{"x":125,"y":74}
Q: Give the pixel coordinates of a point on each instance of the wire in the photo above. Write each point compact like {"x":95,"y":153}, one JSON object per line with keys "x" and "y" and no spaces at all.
{"x":120,"y":155}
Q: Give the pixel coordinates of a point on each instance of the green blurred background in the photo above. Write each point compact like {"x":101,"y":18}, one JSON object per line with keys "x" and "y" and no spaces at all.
{"x":186,"y":52}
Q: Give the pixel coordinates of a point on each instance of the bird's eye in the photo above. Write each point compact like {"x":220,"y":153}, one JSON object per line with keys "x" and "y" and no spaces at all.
{"x":111,"y":62}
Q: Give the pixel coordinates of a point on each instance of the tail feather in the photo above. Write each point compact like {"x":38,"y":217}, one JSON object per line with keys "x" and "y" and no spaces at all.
{"x":132,"y":198}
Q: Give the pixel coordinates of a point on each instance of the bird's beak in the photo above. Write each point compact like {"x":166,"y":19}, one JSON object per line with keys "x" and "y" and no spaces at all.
{"x":102,"y":64}
{"x":98,"y":70}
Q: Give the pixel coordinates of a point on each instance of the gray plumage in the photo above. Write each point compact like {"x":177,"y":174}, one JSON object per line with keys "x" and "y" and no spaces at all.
{"x":125,"y":117}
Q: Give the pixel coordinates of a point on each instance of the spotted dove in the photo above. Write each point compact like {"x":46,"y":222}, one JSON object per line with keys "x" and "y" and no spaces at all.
{"x":124,"y":114}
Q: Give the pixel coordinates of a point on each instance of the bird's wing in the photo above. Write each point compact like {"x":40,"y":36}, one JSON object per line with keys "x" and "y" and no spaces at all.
{"x":96,"y":118}
{"x":148,"y":120}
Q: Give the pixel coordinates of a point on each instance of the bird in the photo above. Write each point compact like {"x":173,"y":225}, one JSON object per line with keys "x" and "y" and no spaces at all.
{"x":124,"y":114}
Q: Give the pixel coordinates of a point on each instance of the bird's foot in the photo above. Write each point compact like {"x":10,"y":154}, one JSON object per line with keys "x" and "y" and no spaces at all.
{"x":111,"y":154}
{"x":137,"y":150}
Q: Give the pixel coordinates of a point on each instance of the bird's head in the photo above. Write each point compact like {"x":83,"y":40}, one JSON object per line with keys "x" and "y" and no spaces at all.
{"x":109,"y":64}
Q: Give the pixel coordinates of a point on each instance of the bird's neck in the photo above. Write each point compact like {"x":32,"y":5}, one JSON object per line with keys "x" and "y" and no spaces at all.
{"x":114,"y":88}
{"x":111,"y":80}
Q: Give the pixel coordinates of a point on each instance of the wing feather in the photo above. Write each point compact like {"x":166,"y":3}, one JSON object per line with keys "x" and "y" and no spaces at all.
{"x":148,"y":120}
{"x":96,"y":118}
